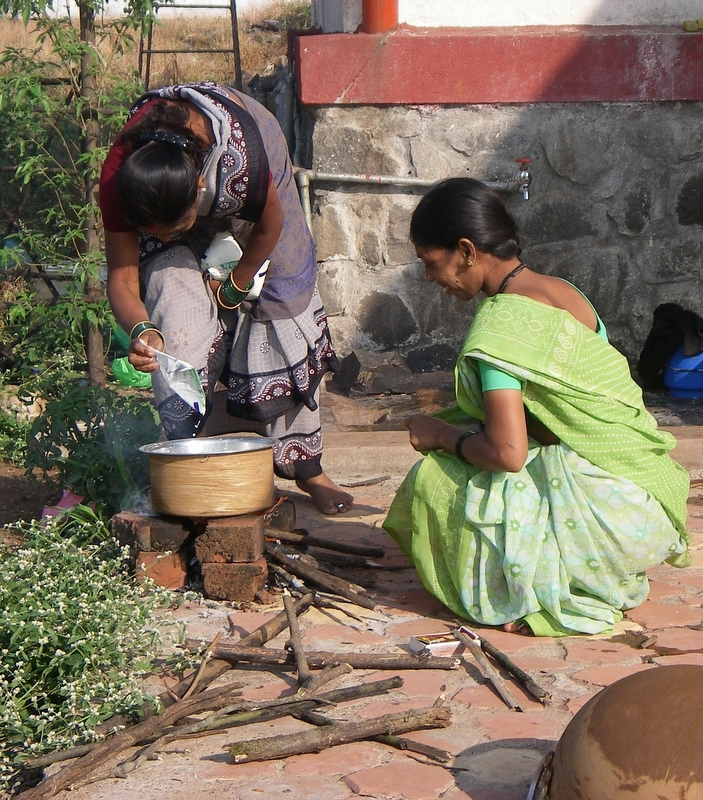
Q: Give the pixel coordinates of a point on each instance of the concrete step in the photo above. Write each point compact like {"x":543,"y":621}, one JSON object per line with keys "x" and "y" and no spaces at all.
{"x":352,"y":455}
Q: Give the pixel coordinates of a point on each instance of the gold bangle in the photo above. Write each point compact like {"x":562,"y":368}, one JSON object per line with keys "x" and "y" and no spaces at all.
{"x":220,"y":301}
{"x":243,"y":291}
{"x":157,"y":332}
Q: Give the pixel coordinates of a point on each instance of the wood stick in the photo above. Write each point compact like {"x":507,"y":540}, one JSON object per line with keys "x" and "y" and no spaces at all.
{"x":240,"y":714}
{"x":293,"y":583}
{"x":312,"y":561}
{"x":318,"y":659}
{"x":247,"y":713}
{"x":342,"y":561}
{"x":304,"y":674}
{"x":329,"y":582}
{"x":313,"y":741}
{"x":366,"y":482}
{"x":328,"y":673}
{"x":81,"y":767}
{"x":217,"y":667}
{"x":275,"y":625}
{"x":328,"y":567}
{"x":398,"y":742}
{"x":326,"y":544}
{"x":61,"y":755}
{"x":282,"y":707}
{"x":322,"y":602}
{"x":530,"y":685}
{"x":488,"y":670}
{"x":214,"y":668}
{"x":206,"y":657}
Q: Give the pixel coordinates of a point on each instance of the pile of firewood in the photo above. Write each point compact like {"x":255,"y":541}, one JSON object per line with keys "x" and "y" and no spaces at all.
{"x":304,"y":582}
{"x":192,"y":697}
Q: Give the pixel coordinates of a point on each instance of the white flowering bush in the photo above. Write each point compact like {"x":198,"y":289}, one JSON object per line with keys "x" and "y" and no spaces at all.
{"x":74,"y":637}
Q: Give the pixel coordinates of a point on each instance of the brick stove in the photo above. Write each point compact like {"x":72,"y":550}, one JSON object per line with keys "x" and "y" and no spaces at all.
{"x":226,"y":552}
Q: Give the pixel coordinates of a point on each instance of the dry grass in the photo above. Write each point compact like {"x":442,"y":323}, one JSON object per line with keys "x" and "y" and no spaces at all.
{"x":258,"y":49}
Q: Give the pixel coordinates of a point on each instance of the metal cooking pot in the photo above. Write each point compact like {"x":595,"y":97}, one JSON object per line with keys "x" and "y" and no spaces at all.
{"x":219,"y":476}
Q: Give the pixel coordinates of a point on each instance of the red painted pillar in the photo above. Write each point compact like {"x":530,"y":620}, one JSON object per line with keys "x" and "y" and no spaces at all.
{"x":379,"y":16}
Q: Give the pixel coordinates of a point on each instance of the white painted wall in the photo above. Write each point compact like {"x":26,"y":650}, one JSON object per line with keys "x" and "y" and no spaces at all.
{"x":62,"y":8}
{"x":345,"y":15}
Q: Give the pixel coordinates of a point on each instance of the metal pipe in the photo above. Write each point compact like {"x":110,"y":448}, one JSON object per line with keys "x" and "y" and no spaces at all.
{"x":389,"y":180}
{"x":304,"y":177}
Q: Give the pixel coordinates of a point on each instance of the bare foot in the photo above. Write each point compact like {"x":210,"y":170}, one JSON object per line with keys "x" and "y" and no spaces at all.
{"x":518,"y":627}
{"x":327,"y":496}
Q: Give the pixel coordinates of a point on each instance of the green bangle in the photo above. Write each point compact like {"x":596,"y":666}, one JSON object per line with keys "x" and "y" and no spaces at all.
{"x":140,"y":327}
{"x":232,"y":293}
{"x":221,"y":302}
{"x":460,"y":442}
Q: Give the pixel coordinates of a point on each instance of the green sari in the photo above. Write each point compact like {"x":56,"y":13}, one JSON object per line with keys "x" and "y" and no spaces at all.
{"x":564,"y":543}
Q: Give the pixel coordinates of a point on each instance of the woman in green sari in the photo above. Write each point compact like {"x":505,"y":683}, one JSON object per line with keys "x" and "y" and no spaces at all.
{"x":546,"y":493}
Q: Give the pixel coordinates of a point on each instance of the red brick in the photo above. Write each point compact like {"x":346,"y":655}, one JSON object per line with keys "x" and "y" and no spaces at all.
{"x":658,"y":615}
{"x":659,"y":590}
{"x":575,"y":704}
{"x":164,"y":568}
{"x":239,"y":582}
{"x":150,"y":534}
{"x":676,"y":641}
{"x":401,"y":778}
{"x":339,"y":760}
{"x":683,"y":658}
{"x":604,"y":676}
{"x":231,"y":540}
{"x":529,"y":725}
{"x":598,"y":651}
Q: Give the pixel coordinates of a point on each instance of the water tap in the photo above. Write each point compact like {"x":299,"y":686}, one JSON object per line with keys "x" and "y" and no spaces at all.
{"x":524,"y":178}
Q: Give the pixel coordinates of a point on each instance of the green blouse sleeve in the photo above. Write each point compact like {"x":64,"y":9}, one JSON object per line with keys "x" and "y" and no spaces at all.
{"x":494,"y":378}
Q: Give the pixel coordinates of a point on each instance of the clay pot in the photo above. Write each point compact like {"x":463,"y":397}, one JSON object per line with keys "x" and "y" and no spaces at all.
{"x":639,"y":739}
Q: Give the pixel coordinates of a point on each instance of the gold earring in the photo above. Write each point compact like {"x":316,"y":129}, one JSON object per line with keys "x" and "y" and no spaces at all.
{"x":469,"y":262}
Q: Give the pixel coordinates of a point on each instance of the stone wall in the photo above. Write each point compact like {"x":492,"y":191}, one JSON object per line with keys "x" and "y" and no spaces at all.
{"x":616,"y":207}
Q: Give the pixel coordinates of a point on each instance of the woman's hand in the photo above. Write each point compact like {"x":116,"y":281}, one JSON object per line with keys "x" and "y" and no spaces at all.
{"x":141,"y":355}
{"x":428,"y":433}
{"x":501,"y":447}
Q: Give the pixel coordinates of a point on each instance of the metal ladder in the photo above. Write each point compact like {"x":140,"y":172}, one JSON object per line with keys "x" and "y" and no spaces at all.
{"x":147,"y":50}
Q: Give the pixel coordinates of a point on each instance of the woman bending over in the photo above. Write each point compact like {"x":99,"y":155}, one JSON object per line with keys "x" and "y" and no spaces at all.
{"x":193,"y":161}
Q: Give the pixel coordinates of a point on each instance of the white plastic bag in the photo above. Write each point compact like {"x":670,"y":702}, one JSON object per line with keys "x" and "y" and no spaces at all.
{"x":183,"y":379}
{"x":223,"y":256}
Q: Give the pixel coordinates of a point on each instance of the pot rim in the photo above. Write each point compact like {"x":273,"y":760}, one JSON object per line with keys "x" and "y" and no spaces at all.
{"x":209,"y":446}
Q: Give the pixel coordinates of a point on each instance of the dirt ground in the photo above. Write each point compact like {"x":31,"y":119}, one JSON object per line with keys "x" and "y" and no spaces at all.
{"x":21,"y":498}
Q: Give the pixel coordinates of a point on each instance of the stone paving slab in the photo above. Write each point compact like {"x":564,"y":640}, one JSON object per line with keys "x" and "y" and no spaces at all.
{"x":495,"y":750}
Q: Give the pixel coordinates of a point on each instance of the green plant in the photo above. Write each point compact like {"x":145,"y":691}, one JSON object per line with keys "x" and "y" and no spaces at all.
{"x":61,"y":102}
{"x":13,"y":438}
{"x":88,"y":439}
{"x":74,"y":637}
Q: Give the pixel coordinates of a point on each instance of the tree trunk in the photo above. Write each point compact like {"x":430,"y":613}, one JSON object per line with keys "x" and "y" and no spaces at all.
{"x":93,"y":288}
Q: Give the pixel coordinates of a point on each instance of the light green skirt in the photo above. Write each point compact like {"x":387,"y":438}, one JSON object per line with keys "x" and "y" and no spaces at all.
{"x":561,"y":544}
